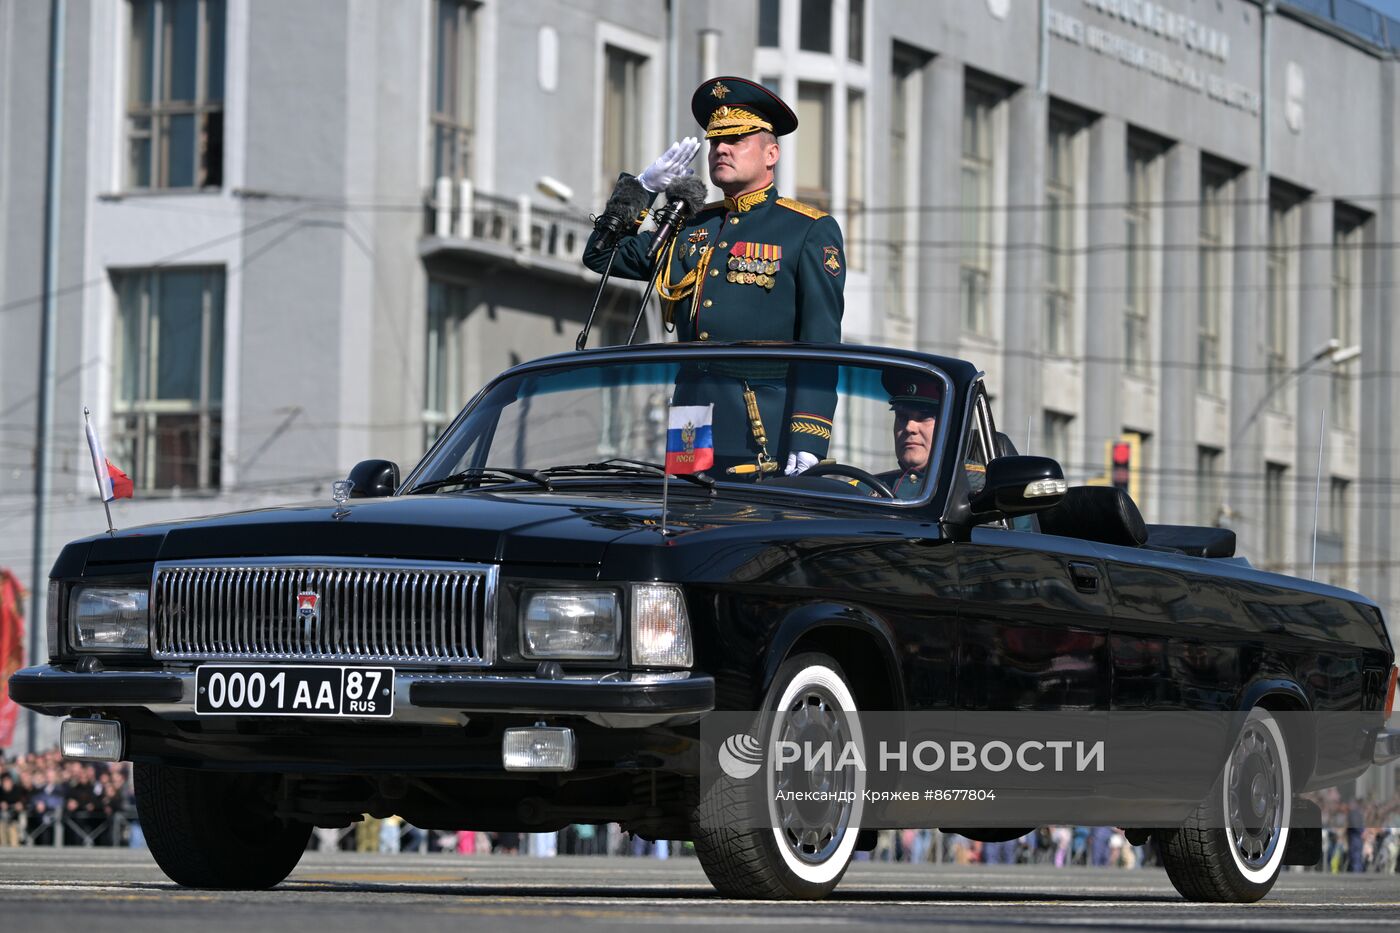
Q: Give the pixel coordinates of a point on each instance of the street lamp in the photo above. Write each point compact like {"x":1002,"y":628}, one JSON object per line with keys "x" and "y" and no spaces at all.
{"x":1331,"y":351}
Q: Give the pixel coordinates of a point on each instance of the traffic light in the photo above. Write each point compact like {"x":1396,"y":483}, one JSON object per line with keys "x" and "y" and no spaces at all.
{"x":1124,"y":467}
{"x":1120,"y":464}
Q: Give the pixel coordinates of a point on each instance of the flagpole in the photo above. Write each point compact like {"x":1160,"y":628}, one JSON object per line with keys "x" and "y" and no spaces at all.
{"x":665,"y":488}
{"x":106,"y":506}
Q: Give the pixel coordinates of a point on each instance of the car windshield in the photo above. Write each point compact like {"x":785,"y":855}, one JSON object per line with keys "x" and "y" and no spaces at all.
{"x":798,"y":423}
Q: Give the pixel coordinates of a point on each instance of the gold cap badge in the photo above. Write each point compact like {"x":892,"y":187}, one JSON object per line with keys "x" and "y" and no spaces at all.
{"x":719,"y":90}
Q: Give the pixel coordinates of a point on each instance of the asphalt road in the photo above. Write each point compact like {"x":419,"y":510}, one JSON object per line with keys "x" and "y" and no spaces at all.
{"x":88,"y":890}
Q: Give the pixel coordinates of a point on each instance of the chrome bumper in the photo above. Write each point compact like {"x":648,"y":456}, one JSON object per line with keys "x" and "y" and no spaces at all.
{"x":616,"y":699}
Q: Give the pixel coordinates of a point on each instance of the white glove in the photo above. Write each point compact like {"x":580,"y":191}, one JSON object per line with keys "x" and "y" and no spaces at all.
{"x":672,"y":164}
{"x":800,"y":463}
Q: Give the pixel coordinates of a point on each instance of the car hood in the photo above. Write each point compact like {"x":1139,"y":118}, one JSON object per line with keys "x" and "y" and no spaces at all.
{"x":520,"y":527}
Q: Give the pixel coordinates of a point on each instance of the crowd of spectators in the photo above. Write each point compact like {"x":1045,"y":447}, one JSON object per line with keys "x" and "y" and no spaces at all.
{"x":47,"y":800}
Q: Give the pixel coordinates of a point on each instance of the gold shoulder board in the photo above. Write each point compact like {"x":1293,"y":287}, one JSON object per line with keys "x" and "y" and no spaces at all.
{"x":806,"y":209}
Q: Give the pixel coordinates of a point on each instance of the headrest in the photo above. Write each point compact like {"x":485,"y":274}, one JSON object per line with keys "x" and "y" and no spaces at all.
{"x":1195,"y":540}
{"x":1105,"y":514}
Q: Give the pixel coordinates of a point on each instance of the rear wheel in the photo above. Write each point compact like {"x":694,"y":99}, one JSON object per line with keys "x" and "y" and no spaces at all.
{"x":806,"y":845}
{"x":212,"y":829}
{"x":1231,"y":848}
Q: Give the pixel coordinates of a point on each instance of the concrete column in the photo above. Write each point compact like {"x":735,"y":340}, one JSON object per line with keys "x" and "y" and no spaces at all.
{"x":1177,"y":327}
{"x":1380,"y":386}
{"x":940,"y":154}
{"x":1105,"y":281}
{"x":1244,"y":487}
{"x":1024,"y":330}
{"x":1314,"y":385}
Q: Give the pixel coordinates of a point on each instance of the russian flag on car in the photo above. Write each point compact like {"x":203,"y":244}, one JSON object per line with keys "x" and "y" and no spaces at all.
{"x":112,"y":482}
{"x":690,"y":443}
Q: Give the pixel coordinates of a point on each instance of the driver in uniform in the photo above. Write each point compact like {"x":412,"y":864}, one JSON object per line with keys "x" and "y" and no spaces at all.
{"x":914,"y":399}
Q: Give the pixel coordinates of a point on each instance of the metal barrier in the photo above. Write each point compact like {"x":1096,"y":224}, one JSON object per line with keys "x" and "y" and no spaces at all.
{"x":69,"y":829}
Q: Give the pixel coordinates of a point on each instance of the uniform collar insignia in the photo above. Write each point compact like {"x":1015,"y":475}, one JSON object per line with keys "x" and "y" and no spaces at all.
{"x":747,"y":202}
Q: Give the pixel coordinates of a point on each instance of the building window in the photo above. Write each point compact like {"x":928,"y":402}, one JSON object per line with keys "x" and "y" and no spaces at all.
{"x":622,"y":113}
{"x":855,"y":179}
{"x":1211,"y":260}
{"x":814,"y":34}
{"x":454,"y":74}
{"x":768,"y":23}
{"x":1338,"y":531}
{"x":1059,"y":236}
{"x":907,"y":70}
{"x":814,"y":144}
{"x":1280,"y":240}
{"x":447,"y":357}
{"x":168,"y":397}
{"x":1346,"y":260}
{"x":1055,"y":431}
{"x":1275,"y":540}
{"x":1137,"y":241}
{"x":1210,"y":494}
{"x":175,"y":94}
{"x":975,"y":274}
{"x":855,"y":30}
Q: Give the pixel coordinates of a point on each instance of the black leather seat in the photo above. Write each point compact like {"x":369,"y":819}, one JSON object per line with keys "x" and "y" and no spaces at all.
{"x":1105,"y":514}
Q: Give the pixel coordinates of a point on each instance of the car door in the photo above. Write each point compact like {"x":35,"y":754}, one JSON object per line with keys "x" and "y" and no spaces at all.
{"x":1033,"y":635}
{"x":1034,"y":622}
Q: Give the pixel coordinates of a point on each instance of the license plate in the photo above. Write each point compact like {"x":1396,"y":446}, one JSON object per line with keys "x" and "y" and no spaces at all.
{"x":250,"y":690}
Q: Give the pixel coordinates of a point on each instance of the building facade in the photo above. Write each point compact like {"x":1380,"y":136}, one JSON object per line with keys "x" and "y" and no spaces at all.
{"x":295,"y":235}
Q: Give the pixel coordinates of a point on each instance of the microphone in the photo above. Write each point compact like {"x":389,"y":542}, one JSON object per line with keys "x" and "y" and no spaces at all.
{"x":627,"y":202}
{"x":684,"y":197}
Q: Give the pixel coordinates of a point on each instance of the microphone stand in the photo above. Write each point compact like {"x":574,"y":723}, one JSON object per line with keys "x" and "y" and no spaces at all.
{"x":582,"y":340}
{"x":651,"y":279}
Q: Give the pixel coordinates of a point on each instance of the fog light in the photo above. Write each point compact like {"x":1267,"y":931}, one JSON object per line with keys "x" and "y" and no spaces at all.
{"x":92,"y":739}
{"x":539,"y":748}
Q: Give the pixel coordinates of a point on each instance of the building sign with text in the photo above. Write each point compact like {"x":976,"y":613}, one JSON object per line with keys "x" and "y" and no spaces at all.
{"x":1201,"y":46}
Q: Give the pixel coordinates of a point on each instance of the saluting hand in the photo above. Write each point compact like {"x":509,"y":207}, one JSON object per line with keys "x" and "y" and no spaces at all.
{"x":672,"y":164}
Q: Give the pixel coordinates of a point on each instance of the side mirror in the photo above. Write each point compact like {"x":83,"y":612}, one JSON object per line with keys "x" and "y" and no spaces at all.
{"x":372,"y":479}
{"x":1020,"y":485}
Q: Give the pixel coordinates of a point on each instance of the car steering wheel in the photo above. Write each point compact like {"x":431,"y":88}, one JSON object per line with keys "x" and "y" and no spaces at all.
{"x":856,"y":473}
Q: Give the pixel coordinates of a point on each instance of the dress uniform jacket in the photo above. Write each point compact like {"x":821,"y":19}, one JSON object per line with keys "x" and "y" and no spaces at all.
{"x":759,"y":267}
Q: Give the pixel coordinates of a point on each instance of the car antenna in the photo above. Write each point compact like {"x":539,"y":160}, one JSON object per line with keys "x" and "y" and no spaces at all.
{"x":1317,"y":486}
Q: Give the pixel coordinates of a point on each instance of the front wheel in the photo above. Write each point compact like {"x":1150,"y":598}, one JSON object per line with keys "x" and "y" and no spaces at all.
{"x":804,"y":848}
{"x":212,"y":829}
{"x":1231,"y":848}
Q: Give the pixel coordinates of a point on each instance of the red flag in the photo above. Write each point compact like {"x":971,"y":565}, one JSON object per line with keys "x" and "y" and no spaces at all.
{"x":121,"y":483}
{"x":11,"y":651}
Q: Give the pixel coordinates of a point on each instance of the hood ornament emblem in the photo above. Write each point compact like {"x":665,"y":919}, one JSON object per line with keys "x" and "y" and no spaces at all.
{"x":340,"y":491}
{"x":308,"y":611}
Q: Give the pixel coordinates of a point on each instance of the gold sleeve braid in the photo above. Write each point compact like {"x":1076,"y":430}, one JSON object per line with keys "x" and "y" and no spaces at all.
{"x":689,"y":286}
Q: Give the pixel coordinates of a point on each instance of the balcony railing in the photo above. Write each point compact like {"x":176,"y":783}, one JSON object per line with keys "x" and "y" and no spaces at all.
{"x":1355,"y":18}
{"x":456,"y":211}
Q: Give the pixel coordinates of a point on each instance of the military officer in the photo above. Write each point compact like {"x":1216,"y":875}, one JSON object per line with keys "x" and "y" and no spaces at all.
{"x":915,"y":400}
{"x":754,"y":266}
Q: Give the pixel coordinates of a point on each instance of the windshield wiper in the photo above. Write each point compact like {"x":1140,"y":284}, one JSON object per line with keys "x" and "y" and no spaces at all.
{"x":478,"y":473}
{"x":623,"y":465}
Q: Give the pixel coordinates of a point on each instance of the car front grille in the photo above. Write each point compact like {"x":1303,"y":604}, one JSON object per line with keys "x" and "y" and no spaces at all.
{"x":336,"y":610}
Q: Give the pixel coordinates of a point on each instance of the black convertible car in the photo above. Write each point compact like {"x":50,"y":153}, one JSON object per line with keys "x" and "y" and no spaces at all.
{"x":529,"y":630}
